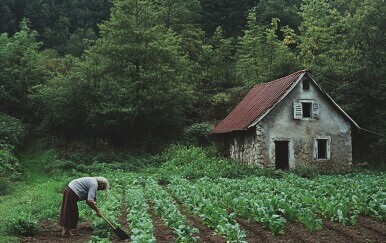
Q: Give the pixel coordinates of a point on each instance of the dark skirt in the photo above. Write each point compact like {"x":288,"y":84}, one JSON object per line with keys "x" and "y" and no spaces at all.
{"x":69,"y":214}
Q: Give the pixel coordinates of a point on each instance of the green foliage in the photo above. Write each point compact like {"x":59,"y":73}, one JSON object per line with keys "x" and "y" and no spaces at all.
{"x":12,"y":130}
{"x":61,"y":166}
{"x":8,"y":18}
{"x":148,"y":69}
{"x":229,"y":15}
{"x":21,"y":67}
{"x":5,"y":187}
{"x":193,"y":162}
{"x":59,"y":22}
{"x":164,"y":205}
{"x":98,"y":239}
{"x":87,"y":155}
{"x":218,"y":78}
{"x":9,"y":165}
{"x":130,"y":98}
{"x":29,"y":203}
{"x":267,"y":200}
{"x":78,"y":158}
{"x":262,"y":56}
{"x":10,"y":239}
{"x":197,"y":134}
{"x":101,"y":230}
{"x":287,"y":11}
{"x":306,"y":171}
{"x":24,"y":225}
{"x":318,"y":33}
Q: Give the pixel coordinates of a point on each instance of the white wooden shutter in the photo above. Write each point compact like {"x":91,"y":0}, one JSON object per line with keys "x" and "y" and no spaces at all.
{"x":315,"y":110}
{"x":298,"y":111}
{"x":315,"y":148}
{"x":328,"y":145}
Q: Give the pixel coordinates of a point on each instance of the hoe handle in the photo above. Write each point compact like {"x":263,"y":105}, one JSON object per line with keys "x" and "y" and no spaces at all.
{"x":108,"y":222}
{"x":103,"y":217}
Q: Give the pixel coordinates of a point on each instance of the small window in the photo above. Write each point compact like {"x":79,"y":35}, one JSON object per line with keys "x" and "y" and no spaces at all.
{"x":322,"y":148}
{"x":306,"y":84}
{"x":306,"y":109}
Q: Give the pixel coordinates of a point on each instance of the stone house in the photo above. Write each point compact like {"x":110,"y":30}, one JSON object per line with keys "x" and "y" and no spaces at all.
{"x":287,"y":123}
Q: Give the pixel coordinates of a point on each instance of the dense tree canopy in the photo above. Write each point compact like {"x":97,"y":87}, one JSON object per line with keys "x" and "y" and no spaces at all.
{"x":128,"y":70}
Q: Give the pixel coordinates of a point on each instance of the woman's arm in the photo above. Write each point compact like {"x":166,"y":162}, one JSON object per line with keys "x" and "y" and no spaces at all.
{"x":92,"y":204}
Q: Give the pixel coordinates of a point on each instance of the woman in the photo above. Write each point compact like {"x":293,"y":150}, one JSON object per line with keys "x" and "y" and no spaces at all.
{"x":77,"y":190}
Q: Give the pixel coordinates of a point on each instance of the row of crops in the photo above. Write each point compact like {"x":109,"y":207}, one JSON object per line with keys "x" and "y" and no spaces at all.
{"x":219,"y":202}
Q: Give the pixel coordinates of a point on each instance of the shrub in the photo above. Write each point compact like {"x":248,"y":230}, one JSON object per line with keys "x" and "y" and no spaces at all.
{"x":197,"y":134}
{"x":24,"y":225}
{"x":306,"y":171}
{"x":5,"y":187}
{"x":194,"y":162}
{"x":9,"y":165}
{"x":12,"y":130}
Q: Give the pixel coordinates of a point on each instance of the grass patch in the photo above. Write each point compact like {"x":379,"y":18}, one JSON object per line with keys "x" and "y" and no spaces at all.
{"x":35,"y":194}
{"x":33,"y":198}
{"x":9,"y":239}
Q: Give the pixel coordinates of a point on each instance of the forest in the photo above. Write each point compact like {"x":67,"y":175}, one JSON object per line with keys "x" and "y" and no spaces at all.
{"x":142,"y":74}
{"x":130,"y":89}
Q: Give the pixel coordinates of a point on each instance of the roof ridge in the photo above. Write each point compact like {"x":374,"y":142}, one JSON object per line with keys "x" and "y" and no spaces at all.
{"x":273,"y":81}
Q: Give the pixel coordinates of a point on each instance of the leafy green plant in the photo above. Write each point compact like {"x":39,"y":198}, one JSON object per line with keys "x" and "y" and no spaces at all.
{"x":97,"y":239}
{"x":194,"y":162}
{"x":208,"y":208}
{"x":5,"y":187}
{"x":142,"y":229}
{"x":169,"y":211}
{"x":12,"y":130}
{"x":9,"y":165}
{"x":24,"y":224}
{"x":197,"y":134}
{"x":306,"y":171}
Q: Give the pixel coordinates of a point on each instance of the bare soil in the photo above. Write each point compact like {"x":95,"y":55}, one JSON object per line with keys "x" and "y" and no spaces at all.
{"x":50,"y":232}
{"x":367,"y":230}
{"x":162,"y":232}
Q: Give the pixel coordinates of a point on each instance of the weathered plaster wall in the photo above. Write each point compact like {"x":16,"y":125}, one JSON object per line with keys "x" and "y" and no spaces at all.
{"x":279,"y":124}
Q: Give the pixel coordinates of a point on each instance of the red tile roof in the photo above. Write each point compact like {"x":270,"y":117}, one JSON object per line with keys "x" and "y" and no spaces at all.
{"x":256,"y":103}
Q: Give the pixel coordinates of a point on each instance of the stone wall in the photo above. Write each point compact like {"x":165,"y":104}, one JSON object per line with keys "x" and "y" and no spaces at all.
{"x":247,"y":148}
{"x":250,"y":148}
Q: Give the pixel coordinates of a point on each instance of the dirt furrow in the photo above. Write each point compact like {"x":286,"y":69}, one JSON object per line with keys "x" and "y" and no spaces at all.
{"x":205,"y":233}
{"x":162,"y":232}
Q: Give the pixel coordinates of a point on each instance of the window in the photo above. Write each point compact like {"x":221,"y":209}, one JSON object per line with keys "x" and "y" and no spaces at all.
{"x":306,"y":84}
{"x":306,"y":109}
{"x":322,"y":150}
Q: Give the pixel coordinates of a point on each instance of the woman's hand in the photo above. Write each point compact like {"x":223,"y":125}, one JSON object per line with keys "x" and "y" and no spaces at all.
{"x":92,"y":204}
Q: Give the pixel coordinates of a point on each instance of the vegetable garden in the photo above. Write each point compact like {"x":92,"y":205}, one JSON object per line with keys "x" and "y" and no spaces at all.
{"x":225,"y":207}
{"x":192,"y":197}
